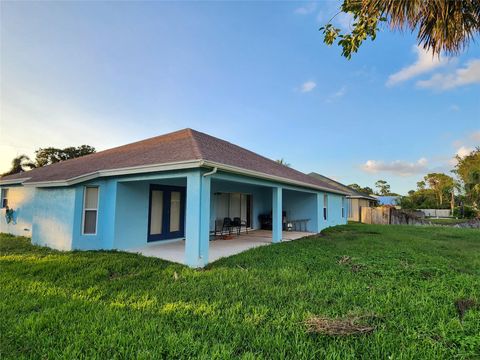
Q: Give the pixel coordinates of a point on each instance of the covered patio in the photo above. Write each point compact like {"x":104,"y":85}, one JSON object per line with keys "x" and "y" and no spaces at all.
{"x":218,"y":248}
{"x":181,"y":216}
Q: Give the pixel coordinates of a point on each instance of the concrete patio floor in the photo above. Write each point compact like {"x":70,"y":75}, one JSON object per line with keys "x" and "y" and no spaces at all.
{"x":219,"y":248}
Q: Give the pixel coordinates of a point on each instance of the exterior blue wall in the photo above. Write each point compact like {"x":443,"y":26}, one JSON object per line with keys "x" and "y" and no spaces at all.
{"x":56,"y":213}
{"x":132,"y":215}
{"x":22,"y":201}
{"x":334,"y":211}
{"x":131,"y":209}
{"x":53,"y":217}
{"x":301,"y":205}
{"x":107,"y":198}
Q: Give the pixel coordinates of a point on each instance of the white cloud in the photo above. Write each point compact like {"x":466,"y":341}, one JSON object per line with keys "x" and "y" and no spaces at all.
{"x":397,"y":167}
{"x":344,"y":20}
{"x":465,"y":146}
{"x":454,"y":107}
{"x":308,"y":86}
{"x":330,"y":11}
{"x":470,"y":74}
{"x":306,"y":9}
{"x":464,"y":151}
{"x":337,"y":94}
{"x":341,"y":92}
{"x":425,"y":63}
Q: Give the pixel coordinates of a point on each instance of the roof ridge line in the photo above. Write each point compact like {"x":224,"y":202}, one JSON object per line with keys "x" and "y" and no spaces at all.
{"x":195,"y":143}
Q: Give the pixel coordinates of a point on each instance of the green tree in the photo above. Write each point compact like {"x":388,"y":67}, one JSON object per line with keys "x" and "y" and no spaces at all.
{"x":20,"y":164}
{"x":366,"y":190}
{"x":468,"y":171}
{"x":51,"y":155}
{"x":441,"y":25}
{"x":441,"y":184}
{"x":383,"y":187}
{"x":421,"y":185}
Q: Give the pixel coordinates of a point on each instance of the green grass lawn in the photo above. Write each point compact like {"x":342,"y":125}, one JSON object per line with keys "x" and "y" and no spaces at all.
{"x":102,"y":305}
{"x":447,"y":221}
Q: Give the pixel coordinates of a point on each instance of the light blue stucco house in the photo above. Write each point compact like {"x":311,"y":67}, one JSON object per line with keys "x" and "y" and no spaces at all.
{"x":175,"y":186}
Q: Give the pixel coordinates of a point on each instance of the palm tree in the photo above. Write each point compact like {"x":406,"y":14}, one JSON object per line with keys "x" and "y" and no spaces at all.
{"x":283,"y":162}
{"x":19,"y":164}
{"x":441,"y":25}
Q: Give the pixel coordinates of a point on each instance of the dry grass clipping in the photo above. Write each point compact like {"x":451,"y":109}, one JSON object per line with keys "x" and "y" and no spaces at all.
{"x":338,"y":327}
{"x":345,"y":260}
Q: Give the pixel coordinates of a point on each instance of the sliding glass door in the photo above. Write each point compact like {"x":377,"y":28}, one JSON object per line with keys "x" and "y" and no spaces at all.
{"x":233,"y":205}
{"x":166,"y":218}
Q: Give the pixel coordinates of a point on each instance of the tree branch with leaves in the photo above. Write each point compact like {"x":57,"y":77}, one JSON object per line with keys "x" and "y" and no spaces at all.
{"x":441,"y":25}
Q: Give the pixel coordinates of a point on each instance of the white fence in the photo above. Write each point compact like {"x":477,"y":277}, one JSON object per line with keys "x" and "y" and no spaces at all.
{"x":442,"y":213}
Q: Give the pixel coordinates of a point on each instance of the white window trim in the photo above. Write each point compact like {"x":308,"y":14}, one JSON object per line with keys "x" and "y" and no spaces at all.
{"x":84,"y":210}
{"x":3,"y":197}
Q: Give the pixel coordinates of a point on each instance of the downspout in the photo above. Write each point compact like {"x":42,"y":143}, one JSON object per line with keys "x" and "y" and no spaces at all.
{"x":214,"y":171}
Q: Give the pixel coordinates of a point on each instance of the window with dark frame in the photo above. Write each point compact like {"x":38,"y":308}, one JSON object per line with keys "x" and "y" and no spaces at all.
{"x":4,"y":198}
{"x":90,"y":210}
{"x":325,"y":206}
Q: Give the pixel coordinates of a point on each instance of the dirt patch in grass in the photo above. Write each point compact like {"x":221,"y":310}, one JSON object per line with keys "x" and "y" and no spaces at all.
{"x":463,"y":305}
{"x":357,"y":267}
{"x":347,"y":260}
{"x":352,"y":325}
{"x":113,"y":275}
{"x":426,"y":274}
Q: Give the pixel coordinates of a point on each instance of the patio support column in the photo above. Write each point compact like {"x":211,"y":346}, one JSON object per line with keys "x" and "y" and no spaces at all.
{"x":277,"y":214}
{"x":319,"y":212}
{"x":197,"y":227}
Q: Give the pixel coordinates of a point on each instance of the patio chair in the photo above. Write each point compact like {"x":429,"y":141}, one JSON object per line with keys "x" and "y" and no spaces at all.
{"x":238,"y":223}
{"x":227,"y":225}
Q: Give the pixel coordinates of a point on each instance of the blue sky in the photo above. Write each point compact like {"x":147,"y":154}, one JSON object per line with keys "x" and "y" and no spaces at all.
{"x":253,"y":73}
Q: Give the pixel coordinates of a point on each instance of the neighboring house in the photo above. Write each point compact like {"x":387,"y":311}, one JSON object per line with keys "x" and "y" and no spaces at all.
{"x":170,"y":187}
{"x":356,"y":200}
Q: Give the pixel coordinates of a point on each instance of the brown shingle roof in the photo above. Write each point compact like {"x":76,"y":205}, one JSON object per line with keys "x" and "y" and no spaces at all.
{"x":182,"y":145}
{"x":351,"y":192}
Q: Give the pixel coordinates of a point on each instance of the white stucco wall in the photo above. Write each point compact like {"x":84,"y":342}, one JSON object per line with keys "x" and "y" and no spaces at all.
{"x":21,"y":200}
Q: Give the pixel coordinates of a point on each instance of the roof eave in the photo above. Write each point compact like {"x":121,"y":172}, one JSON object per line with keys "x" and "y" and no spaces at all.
{"x":13,"y":181}
{"x":362,"y":197}
{"x":257,"y":174}
{"x":180,"y":165}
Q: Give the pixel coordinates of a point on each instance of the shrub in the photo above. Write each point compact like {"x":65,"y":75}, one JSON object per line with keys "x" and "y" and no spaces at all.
{"x":468,"y":212}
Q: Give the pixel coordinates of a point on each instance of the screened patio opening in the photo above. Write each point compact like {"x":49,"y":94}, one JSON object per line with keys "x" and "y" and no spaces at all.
{"x":235,"y":207}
